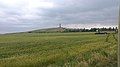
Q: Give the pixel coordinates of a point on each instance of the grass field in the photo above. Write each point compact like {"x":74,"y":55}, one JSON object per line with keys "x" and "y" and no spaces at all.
{"x":58,"y":50}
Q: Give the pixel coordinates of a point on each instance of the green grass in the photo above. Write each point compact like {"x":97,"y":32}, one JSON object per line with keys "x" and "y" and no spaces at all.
{"x":58,"y":50}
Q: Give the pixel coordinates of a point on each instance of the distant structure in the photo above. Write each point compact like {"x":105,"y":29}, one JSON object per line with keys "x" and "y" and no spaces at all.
{"x":60,"y":25}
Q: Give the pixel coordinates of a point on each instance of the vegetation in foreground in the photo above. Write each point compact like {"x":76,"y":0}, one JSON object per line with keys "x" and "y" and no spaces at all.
{"x":58,"y":50}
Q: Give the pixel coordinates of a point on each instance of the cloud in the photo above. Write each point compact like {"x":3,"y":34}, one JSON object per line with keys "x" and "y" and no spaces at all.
{"x":22,"y":15}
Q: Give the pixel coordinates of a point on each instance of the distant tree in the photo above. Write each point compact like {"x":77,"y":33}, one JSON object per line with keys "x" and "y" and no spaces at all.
{"x":93,"y":30}
{"x":105,"y":29}
{"x":110,"y":29}
{"x":113,"y":29}
{"x":102,"y":29}
{"x":116,"y":30}
{"x":84,"y":30}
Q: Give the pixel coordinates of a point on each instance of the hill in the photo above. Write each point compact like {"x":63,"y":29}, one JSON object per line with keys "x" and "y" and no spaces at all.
{"x":48,"y":30}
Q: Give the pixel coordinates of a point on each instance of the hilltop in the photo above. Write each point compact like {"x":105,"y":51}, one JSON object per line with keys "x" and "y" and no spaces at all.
{"x":48,"y":30}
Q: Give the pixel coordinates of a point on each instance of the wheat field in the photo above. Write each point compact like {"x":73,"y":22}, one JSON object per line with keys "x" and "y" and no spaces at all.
{"x":84,"y":49}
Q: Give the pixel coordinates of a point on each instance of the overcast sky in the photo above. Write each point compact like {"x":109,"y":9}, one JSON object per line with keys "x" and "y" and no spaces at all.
{"x":23,"y":15}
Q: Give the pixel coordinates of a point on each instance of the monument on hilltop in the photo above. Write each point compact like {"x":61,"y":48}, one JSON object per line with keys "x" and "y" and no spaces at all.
{"x":60,"y":25}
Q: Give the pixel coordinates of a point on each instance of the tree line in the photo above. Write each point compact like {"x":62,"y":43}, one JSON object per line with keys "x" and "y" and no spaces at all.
{"x":92,"y":29}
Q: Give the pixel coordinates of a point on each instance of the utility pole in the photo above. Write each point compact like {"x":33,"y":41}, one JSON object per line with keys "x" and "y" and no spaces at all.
{"x":119,"y":39}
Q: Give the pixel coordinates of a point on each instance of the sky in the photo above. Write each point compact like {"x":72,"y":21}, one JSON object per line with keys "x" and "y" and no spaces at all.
{"x":26,"y":15}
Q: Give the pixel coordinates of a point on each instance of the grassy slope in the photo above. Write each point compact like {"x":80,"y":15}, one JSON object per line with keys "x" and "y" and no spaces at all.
{"x":58,"y":49}
{"x":49,"y":30}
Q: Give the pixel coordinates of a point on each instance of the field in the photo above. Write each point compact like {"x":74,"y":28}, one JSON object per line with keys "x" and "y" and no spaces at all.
{"x":58,"y":50}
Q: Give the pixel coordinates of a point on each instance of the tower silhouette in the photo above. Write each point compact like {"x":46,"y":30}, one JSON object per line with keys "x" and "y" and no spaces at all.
{"x":60,"y":26}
